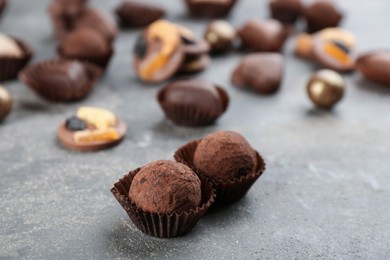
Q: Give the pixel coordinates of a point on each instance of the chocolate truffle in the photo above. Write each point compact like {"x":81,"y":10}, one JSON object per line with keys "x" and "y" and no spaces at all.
{"x":225,"y":155}
{"x":286,"y":11}
{"x":210,"y":8}
{"x":375,"y":66}
{"x":99,"y":21}
{"x":321,"y":14}
{"x":193,"y":102}
{"x":325,"y":88}
{"x":260,"y":35}
{"x":61,"y":80}
{"x":220,"y":35}
{"x":261,"y":72}
{"x":139,"y":13}
{"x":87,"y":45}
{"x":166,"y":187}
{"x":5,"y":103}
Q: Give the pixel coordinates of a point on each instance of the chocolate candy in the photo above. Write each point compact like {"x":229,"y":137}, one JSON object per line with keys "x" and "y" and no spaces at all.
{"x":99,"y":21}
{"x":286,"y":11}
{"x":224,"y":155}
{"x":333,"y":54}
{"x":375,"y":66}
{"x":86,"y":45}
{"x":103,"y":130}
{"x":194,"y":64}
{"x":3,"y":4}
{"x":321,"y":14}
{"x":166,"y":187}
{"x":210,"y":8}
{"x":220,"y":35}
{"x":61,"y":80}
{"x":193,"y":102}
{"x":267,"y":36}
{"x":325,"y":88}
{"x":14,"y":55}
{"x":304,"y":43}
{"x":261,"y":72}
{"x":139,"y":13}
{"x":5,"y":103}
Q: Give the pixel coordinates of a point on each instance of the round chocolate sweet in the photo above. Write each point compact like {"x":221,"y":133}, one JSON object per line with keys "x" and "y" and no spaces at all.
{"x":225,"y":155}
{"x":325,"y":88}
{"x":61,"y":80}
{"x":375,"y":66}
{"x":193,"y":102}
{"x":286,"y":11}
{"x":263,"y":36}
{"x":321,"y":14}
{"x":139,"y":13}
{"x":220,"y":35}
{"x":166,"y":187}
{"x":5,"y":103}
{"x":261,"y":72}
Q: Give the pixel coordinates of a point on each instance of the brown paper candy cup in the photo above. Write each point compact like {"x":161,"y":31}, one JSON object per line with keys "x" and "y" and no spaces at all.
{"x":226,"y":191}
{"x":32,"y":75}
{"x":99,"y":60}
{"x":190,"y":115}
{"x":10,"y":66}
{"x":161,"y":225}
{"x":210,"y":8}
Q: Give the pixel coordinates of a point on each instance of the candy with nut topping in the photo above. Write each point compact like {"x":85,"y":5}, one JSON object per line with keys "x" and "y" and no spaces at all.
{"x":91,"y":129}
{"x":220,"y":35}
{"x":375,"y":66}
{"x":321,"y":14}
{"x":326,"y":88}
{"x":263,"y":36}
{"x":260,"y":72}
{"x":5,"y":103}
{"x":139,"y":13}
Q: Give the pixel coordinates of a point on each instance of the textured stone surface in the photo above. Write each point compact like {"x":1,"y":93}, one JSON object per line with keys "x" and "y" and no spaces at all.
{"x":325,"y":193}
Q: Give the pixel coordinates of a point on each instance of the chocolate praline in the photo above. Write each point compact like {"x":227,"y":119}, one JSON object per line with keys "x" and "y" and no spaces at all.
{"x":286,"y":11}
{"x":193,"y":102}
{"x":139,"y":13}
{"x":260,"y":35}
{"x":166,"y":187}
{"x":210,"y":8}
{"x":322,"y":14}
{"x":3,"y":4}
{"x":225,"y":155}
{"x":375,"y":66}
{"x":5,"y":103}
{"x":220,"y":35}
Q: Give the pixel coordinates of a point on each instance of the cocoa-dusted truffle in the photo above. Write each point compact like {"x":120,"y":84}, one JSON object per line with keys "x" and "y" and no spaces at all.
{"x":322,"y":14}
{"x":139,"y":13}
{"x":260,"y":35}
{"x":225,"y":155}
{"x":166,"y":187}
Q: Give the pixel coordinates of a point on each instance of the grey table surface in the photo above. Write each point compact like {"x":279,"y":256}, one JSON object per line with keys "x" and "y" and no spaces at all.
{"x":325,"y":193}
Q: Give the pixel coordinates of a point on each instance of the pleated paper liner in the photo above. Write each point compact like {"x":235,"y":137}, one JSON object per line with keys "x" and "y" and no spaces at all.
{"x":210,"y":8}
{"x":226,"y":191}
{"x":34,"y":75}
{"x":190,"y":115}
{"x":99,"y":60}
{"x":10,"y":66}
{"x":162,"y":225}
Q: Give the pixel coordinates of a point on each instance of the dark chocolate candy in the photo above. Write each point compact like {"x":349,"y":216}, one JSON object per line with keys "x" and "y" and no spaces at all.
{"x":195,"y":64}
{"x":224,"y":155}
{"x":325,"y":88}
{"x":220,"y":35}
{"x":286,"y":11}
{"x":261,"y":72}
{"x":193,"y":102}
{"x":375,"y":66}
{"x":321,"y":14}
{"x":210,"y":8}
{"x":166,"y":187}
{"x":61,"y":80}
{"x":267,"y":36}
{"x":139,"y":13}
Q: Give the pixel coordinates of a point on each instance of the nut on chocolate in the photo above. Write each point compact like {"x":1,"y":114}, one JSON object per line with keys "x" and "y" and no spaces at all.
{"x":260,"y":72}
{"x":224,"y":155}
{"x":326,"y":88}
{"x":263,"y":36}
{"x":5,"y":103}
{"x":220,"y":35}
{"x":166,"y":187}
{"x":193,"y":102}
